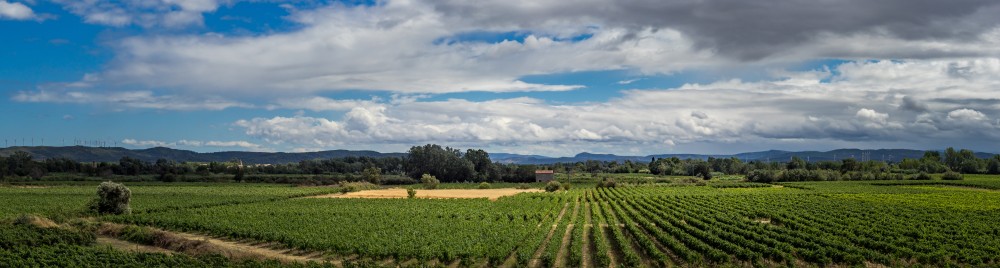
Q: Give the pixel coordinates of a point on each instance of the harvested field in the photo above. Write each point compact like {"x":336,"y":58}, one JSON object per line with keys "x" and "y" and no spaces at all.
{"x":492,"y":194}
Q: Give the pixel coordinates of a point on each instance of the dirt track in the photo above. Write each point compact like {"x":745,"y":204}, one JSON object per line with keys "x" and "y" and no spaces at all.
{"x":492,"y":194}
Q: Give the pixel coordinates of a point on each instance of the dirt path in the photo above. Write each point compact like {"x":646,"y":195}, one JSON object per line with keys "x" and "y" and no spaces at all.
{"x":564,"y":249}
{"x":232,"y":249}
{"x":536,"y":259}
{"x":195,"y":244}
{"x":131,"y":247}
{"x":492,"y":194}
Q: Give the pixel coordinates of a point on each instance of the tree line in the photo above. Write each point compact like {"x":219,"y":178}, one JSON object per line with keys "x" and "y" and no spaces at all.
{"x":474,"y":165}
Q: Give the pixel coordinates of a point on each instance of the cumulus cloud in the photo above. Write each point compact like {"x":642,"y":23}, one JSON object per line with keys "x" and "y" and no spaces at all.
{"x":156,"y":13}
{"x":120,"y":100}
{"x":193,"y":143}
{"x":750,"y":30}
{"x":15,"y":11}
{"x":966,"y":115}
{"x":850,"y":108}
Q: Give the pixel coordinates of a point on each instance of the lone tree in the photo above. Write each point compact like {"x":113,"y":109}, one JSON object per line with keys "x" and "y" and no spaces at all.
{"x":429,"y":181}
{"x":112,"y":198}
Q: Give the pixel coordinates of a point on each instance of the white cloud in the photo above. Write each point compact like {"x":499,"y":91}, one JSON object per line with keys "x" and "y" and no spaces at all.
{"x":15,"y":11}
{"x":872,"y":115}
{"x":145,"y":143}
{"x":120,"y":100}
{"x":864,"y":102}
{"x":966,"y":115}
{"x":194,"y":143}
{"x":628,"y":81}
{"x":153,"y":13}
{"x":350,"y":48}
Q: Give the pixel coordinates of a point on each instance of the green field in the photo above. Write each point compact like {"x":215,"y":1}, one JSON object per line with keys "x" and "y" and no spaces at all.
{"x":718,"y":223}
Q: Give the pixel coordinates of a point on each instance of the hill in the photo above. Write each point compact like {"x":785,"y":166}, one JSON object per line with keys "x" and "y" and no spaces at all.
{"x":111,"y":154}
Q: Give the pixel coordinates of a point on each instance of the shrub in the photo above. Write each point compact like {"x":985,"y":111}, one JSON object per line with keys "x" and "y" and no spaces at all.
{"x":523,"y":186}
{"x":566,"y":186}
{"x":429,"y":181}
{"x":347,"y":187}
{"x":484,"y":185}
{"x":411,"y":193}
{"x":952,"y":176}
{"x":607,"y":183}
{"x":761,"y":175}
{"x":923,"y":176}
{"x":552,"y":186}
{"x":112,"y":198}
{"x":373,"y":175}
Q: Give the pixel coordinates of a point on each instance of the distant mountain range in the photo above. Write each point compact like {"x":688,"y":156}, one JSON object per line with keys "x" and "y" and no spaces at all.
{"x":113,"y":154}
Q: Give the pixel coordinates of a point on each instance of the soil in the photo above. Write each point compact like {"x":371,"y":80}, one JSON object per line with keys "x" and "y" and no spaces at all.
{"x":132,"y":247}
{"x":492,"y":194}
{"x":233,"y":248}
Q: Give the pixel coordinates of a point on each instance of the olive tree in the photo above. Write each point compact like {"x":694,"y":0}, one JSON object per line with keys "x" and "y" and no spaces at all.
{"x":112,"y":198}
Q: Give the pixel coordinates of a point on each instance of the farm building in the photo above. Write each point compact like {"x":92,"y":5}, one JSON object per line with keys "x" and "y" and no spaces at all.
{"x":544,"y":175}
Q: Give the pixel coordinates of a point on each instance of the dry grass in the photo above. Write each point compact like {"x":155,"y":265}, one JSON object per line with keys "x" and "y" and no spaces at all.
{"x":192,"y":244}
{"x":132,"y":247}
{"x":36,"y":221}
{"x":492,"y":194}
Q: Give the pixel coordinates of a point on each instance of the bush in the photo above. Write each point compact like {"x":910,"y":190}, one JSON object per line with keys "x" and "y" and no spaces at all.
{"x":429,"y":181}
{"x":952,"y":176}
{"x":923,"y":176}
{"x":566,"y":186}
{"x":762,"y":176}
{"x":347,"y":187}
{"x":411,"y":193}
{"x":552,"y":186}
{"x":523,"y":186}
{"x":484,"y":185}
{"x":373,"y":175}
{"x":607,"y":183}
{"x":112,"y":198}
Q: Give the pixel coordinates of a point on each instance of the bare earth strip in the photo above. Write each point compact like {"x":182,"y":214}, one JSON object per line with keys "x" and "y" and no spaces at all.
{"x":193,"y":244}
{"x":492,"y":194}
{"x":233,"y":248}
{"x":131,"y":247}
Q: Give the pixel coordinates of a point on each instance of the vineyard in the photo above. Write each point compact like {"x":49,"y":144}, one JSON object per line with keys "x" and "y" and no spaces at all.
{"x":719,"y":223}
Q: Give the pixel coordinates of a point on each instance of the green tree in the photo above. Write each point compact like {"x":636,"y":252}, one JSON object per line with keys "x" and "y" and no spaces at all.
{"x":446,"y":163}
{"x":373,"y":175}
{"x":112,"y":198}
{"x":481,"y":163}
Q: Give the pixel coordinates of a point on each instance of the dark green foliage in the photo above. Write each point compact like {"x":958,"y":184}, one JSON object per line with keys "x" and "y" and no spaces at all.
{"x":446,"y":164}
{"x":762,"y":175}
{"x":112,"y":198}
{"x":484,"y":185}
{"x":373,"y":175}
{"x":607,"y":183}
{"x":411,"y":193}
{"x":952,"y":176}
{"x":552,"y":186}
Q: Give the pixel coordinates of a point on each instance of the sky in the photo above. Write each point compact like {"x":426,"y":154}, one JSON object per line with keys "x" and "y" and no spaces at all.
{"x":556,"y":78}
